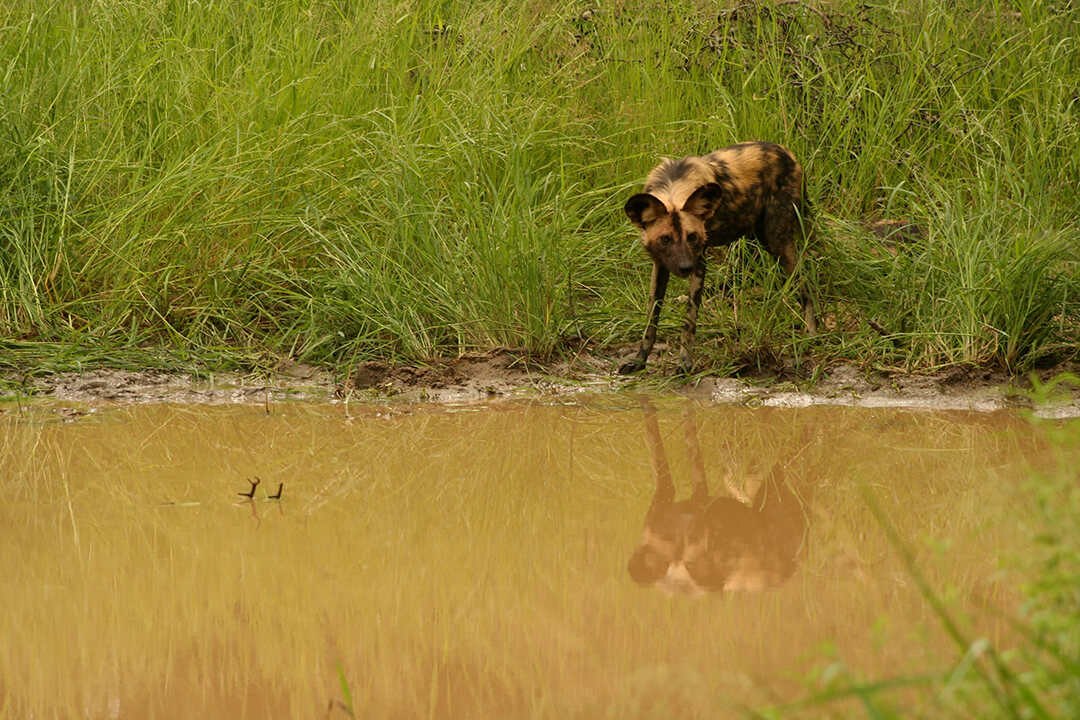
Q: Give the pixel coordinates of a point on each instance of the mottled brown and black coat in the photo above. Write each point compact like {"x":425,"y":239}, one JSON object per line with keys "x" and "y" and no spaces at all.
{"x":753,"y":189}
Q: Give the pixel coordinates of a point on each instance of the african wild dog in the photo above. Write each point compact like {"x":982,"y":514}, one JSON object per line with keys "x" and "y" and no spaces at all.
{"x":752,"y":189}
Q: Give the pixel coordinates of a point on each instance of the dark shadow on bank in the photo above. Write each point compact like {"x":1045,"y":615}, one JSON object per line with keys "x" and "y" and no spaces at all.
{"x":743,"y":538}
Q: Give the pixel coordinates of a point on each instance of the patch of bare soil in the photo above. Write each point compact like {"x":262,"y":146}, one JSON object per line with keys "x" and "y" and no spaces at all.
{"x":506,"y":374}
{"x":154,"y":386}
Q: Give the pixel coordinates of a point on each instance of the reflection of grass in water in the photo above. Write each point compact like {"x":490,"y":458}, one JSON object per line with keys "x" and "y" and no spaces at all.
{"x":466,"y":565}
{"x":347,"y":705}
{"x":1039,"y":674}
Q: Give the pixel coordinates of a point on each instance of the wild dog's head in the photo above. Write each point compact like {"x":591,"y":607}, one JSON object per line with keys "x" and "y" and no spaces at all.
{"x":674,"y":236}
{"x":674,"y":554}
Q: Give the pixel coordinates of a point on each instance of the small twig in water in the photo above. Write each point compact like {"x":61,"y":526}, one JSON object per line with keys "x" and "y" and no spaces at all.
{"x":254,"y":484}
{"x":277,"y":496}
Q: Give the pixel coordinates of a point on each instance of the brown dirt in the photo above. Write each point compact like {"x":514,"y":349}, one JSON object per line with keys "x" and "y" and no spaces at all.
{"x":506,"y":374}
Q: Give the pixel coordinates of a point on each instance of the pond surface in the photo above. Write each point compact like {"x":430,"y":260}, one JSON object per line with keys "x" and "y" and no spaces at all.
{"x":605,"y":557}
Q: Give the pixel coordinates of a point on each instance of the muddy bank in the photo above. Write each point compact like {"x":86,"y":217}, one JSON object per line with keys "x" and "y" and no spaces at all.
{"x":505,"y":374}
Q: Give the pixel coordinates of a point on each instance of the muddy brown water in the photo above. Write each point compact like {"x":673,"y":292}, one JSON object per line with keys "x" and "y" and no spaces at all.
{"x":606,"y":556}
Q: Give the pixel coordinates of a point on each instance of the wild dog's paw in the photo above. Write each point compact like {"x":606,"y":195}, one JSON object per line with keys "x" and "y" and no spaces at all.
{"x":686,"y":363}
{"x":631,"y":366}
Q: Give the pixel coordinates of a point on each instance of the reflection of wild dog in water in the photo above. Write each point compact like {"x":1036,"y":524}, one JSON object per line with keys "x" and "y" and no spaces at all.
{"x":715,"y":543}
{"x":746,"y":190}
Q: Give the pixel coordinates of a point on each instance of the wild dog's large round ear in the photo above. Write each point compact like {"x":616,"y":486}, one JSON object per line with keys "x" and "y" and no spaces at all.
{"x":646,"y":566}
{"x":704,"y":201}
{"x":643,"y":209}
{"x":709,"y":572}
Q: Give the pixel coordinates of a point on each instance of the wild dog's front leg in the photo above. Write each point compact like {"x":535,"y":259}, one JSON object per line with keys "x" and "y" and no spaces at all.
{"x":697,"y":463}
{"x":657,"y":288}
{"x":652,"y":558}
{"x":697,"y":286}
{"x":664,"y":492}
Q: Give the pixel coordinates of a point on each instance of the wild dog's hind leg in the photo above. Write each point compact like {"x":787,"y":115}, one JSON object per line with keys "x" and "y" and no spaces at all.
{"x":789,"y":261}
{"x":697,"y":286}
{"x":778,"y":231}
{"x":657,"y":288}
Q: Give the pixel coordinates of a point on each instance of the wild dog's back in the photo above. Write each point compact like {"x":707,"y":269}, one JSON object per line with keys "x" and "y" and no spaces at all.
{"x":749,"y":174}
{"x":752,"y":175}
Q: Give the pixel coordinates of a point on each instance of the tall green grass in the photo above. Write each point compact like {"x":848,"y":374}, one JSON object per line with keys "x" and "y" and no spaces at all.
{"x":335,"y":181}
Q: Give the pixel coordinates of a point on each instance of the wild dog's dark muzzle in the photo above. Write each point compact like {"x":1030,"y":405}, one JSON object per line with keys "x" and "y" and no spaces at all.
{"x":680,"y":263}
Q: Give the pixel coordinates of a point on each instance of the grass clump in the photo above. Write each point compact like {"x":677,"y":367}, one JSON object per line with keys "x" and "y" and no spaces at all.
{"x":336,"y":181}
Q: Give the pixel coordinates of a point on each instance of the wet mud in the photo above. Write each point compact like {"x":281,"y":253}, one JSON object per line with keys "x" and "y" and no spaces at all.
{"x":486,"y":376}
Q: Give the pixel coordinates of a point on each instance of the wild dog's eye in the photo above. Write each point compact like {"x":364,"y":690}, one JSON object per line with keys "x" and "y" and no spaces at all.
{"x":665,"y":240}
{"x":693,"y":238}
